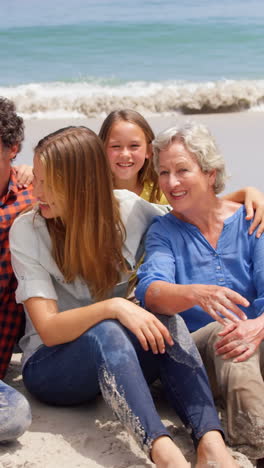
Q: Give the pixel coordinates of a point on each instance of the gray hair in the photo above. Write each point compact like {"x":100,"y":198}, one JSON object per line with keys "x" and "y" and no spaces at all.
{"x":199,"y":141}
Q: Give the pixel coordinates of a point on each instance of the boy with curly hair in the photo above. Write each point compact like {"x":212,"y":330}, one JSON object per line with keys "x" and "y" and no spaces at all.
{"x":15,"y":415}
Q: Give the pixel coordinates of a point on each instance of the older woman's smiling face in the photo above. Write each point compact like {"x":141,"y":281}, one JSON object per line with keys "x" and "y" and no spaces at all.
{"x":181,"y":179}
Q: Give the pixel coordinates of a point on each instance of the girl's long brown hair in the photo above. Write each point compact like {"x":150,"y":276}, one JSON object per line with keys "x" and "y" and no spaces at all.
{"x":147,"y":172}
{"x":87,"y":239}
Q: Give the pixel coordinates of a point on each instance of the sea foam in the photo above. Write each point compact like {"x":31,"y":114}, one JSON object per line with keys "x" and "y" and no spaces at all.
{"x":89,"y":99}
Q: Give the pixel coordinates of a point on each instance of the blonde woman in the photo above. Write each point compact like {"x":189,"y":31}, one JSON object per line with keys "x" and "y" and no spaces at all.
{"x":72,"y":255}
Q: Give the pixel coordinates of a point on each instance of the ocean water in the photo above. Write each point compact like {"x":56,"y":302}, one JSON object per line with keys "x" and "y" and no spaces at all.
{"x":84,"y":58}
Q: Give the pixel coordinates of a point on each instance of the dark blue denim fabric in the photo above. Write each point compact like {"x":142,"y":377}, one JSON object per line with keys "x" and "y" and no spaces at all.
{"x":15,"y":414}
{"x":108,"y":358}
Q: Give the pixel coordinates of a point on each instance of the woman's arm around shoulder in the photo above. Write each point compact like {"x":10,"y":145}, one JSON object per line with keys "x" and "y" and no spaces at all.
{"x":253,"y":200}
{"x":24,"y":174}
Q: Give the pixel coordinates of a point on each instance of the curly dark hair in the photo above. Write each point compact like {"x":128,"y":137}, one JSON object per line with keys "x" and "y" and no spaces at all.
{"x":11,"y":125}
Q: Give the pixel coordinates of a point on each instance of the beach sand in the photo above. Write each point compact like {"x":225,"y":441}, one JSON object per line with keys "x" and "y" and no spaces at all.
{"x":86,"y":436}
{"x":89,"y":435}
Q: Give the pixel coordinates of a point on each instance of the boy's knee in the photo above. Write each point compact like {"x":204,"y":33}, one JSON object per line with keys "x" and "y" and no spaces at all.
{"x":15,"y":414}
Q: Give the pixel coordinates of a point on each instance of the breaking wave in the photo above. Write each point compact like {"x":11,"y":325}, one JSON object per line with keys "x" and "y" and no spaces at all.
{"x":90,"y":99}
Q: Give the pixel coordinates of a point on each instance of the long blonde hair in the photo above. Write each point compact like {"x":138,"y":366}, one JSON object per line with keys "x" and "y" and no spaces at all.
{"x":87,"y":239}
{"x":147,"y":172}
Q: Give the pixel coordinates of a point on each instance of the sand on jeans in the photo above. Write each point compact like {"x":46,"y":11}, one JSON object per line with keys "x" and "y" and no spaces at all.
{"x":89,"y":435}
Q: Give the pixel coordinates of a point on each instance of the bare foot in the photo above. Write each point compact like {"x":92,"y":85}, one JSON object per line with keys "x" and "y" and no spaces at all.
{"x":212,"y":452}
{"x":165,"y":454}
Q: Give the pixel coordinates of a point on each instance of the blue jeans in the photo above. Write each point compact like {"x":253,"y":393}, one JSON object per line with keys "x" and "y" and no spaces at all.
{"x":15,"y":414}
{"x":109,"y":359}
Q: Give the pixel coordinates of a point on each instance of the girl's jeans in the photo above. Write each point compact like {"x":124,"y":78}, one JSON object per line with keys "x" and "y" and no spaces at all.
{"x":15,"y":414}
{"x":108,"y":358}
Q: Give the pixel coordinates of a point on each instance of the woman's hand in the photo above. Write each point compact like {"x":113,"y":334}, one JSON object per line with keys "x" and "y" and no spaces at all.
{"x":216,"y":300}
{"x":24,"y":175}
{"x":150,"y":332}
{"x":254,"y":204}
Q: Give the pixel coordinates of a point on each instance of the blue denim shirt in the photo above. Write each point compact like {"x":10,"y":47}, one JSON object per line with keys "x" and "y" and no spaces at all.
{"x":177,"y":252}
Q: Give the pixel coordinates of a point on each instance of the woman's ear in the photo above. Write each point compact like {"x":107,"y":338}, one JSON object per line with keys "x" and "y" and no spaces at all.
{"x":149,"y":152}
{"x":212,"y":177}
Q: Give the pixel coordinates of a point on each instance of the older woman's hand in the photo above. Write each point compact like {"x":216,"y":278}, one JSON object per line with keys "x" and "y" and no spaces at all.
{"x":240,"y":340}
{"x":219,"y":301}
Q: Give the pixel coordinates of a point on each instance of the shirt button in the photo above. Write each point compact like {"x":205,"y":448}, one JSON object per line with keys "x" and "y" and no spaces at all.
{"x":221,"y":279}
{"x":218,"y":267}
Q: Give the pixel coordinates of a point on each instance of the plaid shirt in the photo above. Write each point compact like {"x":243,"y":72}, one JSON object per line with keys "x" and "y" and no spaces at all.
{"x":11,"y":314}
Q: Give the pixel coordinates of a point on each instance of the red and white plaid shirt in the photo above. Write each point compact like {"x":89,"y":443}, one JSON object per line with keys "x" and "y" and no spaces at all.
{"x":11,"y":313}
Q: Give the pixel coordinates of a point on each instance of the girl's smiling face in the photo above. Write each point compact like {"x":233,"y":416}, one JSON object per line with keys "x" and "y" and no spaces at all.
{"x":127,"y":150}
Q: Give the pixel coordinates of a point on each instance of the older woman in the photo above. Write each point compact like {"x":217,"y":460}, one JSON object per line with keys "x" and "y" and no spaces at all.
{"x":201,"y":262}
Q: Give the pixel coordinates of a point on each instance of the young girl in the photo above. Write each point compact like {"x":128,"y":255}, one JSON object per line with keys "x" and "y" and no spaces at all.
{"x":71,"y":256}
{"x":128,"y":137}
